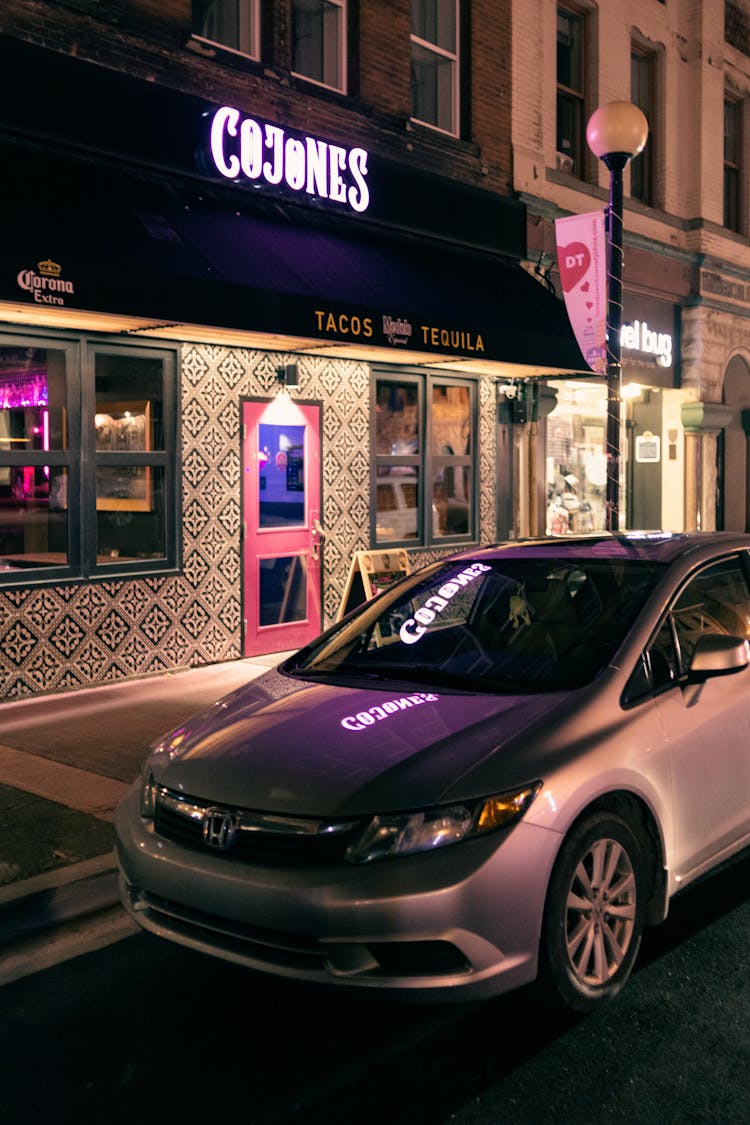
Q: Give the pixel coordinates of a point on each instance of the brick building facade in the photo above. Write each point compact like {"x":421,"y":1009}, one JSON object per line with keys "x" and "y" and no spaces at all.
{"x":686,"y":220}
{"x":145,"y":290}
{"x":148,"y":279}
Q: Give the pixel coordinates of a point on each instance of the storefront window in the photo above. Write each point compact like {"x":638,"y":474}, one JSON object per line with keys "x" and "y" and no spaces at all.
{"x":33,"y":472}
{"x":424,"y":490}
{"x":576,"y":472}
{"x":80,"y":498}
{"x":450,"y":437}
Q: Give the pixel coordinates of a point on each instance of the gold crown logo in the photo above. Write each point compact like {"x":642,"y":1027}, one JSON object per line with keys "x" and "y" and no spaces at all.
{"x":49,"y":268}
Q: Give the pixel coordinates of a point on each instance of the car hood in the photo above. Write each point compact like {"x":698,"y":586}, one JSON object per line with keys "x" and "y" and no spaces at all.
{"x":301,"y":748}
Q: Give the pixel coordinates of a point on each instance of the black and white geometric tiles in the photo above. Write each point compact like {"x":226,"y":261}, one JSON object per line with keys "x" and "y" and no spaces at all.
{"x":59,"y":638}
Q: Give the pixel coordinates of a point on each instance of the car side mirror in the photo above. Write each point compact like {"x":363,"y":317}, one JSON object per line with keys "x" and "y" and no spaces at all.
{"x":716,"y":655}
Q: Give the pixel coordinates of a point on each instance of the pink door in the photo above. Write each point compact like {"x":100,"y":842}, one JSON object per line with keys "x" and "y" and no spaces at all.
{"x":282,"y":530}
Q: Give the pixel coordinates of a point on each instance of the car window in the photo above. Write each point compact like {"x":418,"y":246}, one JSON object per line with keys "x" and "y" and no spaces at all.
{"x":715,"y":601}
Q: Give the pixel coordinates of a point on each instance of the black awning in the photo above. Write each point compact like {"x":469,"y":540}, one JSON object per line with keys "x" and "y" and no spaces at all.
{"x":83,"y":236}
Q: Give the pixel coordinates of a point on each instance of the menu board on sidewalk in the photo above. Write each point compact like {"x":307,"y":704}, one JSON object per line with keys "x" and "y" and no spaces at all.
{"x":369,"y":573}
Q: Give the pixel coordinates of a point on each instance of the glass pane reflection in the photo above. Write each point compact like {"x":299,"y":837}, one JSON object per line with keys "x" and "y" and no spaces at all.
{"x":281,"y":464}
{"x":283,"y":590}
{"x":33,"y":517}
{"x":451,"y":500}
{"x":130,"y":517}
{"x":396,"y":503}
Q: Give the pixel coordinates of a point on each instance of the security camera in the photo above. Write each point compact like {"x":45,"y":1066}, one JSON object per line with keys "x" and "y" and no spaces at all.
{"x":510,"y":390}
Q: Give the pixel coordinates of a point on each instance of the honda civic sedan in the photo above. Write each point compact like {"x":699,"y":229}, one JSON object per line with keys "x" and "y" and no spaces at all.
{"x":497,"y":771}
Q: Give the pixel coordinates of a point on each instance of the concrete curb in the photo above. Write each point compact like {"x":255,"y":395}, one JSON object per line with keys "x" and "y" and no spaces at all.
{"x":46,"y":901}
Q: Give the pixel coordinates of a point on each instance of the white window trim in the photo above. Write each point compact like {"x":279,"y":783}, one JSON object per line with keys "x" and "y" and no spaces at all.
{"x":251,"y":9}
{"x":454,"y":56}
{"x":342,"y":53}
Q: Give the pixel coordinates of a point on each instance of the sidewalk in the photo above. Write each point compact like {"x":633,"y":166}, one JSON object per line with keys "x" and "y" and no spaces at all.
{"x":65,"y":762}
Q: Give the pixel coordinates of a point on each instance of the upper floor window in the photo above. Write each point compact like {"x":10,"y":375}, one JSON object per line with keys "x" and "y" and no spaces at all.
{"x":435,"y":64}
{"x":737,"y":27}
{"x":643,"y":95}
{"x":732,"y":164}
{"x":87,"y":459}
{"x":319,"y":41}
{"x":229,"y":23}
{"x":425,"y":460}
{"x":570,"y":91}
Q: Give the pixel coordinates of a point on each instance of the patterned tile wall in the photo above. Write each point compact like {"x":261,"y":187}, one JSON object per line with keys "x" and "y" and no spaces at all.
{"x":59,"y":638}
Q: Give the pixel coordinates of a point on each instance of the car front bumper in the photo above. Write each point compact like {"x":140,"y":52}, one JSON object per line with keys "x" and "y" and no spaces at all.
{"x":459,"y":923}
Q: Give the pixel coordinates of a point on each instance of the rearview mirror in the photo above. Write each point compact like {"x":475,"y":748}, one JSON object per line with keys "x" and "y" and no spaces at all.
{"x":716,"y":655}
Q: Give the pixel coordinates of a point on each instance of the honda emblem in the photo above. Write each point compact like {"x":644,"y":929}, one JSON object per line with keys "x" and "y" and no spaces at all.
{"x":220,"y":826}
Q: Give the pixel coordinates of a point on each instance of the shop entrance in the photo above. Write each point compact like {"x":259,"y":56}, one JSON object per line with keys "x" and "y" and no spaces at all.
{"x":733,"y":462}
{"x":643,"y":471}
{"x":282,"y":533}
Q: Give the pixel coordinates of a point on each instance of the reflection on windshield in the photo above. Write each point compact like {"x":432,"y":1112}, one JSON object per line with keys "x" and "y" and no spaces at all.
{"x":416,"y":626}
{"x":497,"y":625}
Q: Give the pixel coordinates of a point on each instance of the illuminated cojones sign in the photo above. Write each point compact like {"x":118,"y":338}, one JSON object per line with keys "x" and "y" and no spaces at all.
{"x":242,"y":147}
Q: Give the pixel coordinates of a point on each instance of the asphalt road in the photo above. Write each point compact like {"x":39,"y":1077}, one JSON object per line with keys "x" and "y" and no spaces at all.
{"x":145,"y":1032}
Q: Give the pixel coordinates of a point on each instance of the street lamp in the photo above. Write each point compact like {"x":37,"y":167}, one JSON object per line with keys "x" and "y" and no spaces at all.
{"x":616,"y":132}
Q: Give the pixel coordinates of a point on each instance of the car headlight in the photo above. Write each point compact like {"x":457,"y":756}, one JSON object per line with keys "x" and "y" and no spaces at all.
{"x":398,"y":834}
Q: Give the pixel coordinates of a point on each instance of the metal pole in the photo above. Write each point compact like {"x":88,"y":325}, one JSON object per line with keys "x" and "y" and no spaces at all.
{"x":615,"y":163}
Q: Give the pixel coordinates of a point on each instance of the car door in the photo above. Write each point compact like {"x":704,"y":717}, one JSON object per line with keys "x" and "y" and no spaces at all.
{"x":707,"y":724}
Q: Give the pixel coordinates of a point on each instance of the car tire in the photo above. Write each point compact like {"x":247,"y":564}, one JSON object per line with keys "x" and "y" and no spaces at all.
{"x":594,"y":914}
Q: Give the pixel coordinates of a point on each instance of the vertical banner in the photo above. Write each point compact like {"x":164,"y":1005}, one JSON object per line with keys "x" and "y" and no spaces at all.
{"x":582,"y":260}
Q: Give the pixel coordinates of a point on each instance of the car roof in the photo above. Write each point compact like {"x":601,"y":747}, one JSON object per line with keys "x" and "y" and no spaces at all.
{"x":645,"y":546}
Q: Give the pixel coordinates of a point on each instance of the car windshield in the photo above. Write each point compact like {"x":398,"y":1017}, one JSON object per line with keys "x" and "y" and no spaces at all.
{"x":497,"y":625}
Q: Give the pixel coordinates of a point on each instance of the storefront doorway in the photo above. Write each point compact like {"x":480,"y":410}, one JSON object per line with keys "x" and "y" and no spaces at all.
{"x":281,"y":563}
{"x":641,"y":500}
{"x":733,"y":503}
{"x":575,"y":464}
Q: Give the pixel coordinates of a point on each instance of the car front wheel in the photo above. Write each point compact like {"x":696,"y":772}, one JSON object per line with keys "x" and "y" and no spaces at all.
{"x":594,"y":914}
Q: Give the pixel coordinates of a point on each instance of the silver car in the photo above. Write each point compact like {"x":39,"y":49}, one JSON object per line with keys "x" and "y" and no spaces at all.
{"x":499,"y":770}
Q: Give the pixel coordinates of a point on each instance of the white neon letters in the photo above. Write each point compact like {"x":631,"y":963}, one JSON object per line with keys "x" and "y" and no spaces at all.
{"x":638,"y":337}
{"x":416,"y":626}
{"x":263,"y":152}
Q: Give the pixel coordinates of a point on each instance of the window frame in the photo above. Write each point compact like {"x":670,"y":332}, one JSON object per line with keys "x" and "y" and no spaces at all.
{"x":252,"y":51}
{"x":642,"y":170}
{"x":732,"y":168}
{"x":456,"y":76}
{"x":425,"y":461}
{"x":575,"y":96}
{"x":341,"y":49}
{"x":81,"y":459}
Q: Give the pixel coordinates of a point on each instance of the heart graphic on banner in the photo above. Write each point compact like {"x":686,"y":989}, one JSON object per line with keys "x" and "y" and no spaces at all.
{"x":574,"y":261}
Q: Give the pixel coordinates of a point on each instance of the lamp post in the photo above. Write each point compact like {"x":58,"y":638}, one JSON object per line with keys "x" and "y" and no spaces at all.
{"x":616,"y":132}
